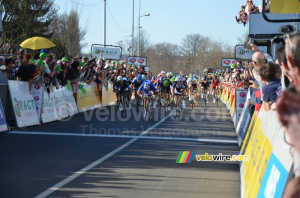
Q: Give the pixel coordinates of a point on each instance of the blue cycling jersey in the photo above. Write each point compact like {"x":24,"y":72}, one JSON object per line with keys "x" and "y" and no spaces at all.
{"x":136,"y":84}
{"x":148,"y":84}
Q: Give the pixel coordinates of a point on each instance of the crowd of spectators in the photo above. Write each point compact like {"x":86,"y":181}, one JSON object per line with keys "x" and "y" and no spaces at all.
{"x":249,"y":8}
{"x":44,"y":68}
{"x":275,"y":86}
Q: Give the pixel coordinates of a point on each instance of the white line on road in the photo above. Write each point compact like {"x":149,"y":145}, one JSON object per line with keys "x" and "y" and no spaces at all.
{"x":92,"y":165}
{"x":124,"y":136}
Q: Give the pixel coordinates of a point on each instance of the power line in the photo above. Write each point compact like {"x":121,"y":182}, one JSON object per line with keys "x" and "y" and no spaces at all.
{"x":115,"y":20}
{"x":85,"y":4}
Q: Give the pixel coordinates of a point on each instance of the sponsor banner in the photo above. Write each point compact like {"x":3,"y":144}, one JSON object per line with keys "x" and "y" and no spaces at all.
{"x":244,"y":53}
{"x":137,"y":60}
{"x":70,"y":101}
{"x":284,"y":7}
{"x":109,"y":97}
{"x":227,"y":62}
{"x":109,"y":52}
{"x":37,"y":91}
{"x":240,"y":102}
{"x":23,"y":104}
{"x":3,"y":124}
{"x":54,"y":106}
{"x":244,"y":124}
{"x":274,"y":179}
{"x":88,"y":97}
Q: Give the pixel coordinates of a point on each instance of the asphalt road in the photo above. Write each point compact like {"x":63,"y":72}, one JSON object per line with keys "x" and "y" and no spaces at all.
{"x":101,"y":154}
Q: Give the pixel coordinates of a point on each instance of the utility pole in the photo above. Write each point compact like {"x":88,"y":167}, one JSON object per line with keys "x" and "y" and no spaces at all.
{"x":139,"y":26}
{"x":132,"y":27}
{"x":104,"y":22}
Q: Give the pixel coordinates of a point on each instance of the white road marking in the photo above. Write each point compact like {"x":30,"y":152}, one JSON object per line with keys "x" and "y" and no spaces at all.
{"x":92,"y":165}
{"x":125,"y":136}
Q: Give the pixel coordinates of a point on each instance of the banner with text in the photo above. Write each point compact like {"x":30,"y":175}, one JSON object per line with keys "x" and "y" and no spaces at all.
{"x":37,"y":91}
{"x":109,"y":52}
{"x":244,"y":53}
{"x":23,"y":104}
{"x":54,"y":106}
{"x":70,"y":101}
{"x":88,"y":97}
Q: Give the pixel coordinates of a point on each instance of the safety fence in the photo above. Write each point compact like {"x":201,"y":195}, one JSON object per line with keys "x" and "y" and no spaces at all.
{"x":261,"y":136}
{"x":38,"y":105}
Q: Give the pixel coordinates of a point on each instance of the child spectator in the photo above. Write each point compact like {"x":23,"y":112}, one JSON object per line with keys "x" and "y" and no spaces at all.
{"x":269,"y":74}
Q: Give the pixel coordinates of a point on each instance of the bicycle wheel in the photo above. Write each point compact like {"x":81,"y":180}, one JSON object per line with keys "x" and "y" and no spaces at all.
{"x":159,"y":101}
{"x":137,"y":102}
{"x":166,"y":102}
{"x":205,"y":99}
{"x":147,"y":112}
{"x":124,"y":105}
{"x":150,"y":109}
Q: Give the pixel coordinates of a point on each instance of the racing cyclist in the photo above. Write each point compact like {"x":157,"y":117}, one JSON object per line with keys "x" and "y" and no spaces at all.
{"x":193,"y":85}
{"x":165,"y":88}
{"x":136,"y":83}
{"x":215,"y":85}
{"x":121,"y":87}
{"x":205,"y":86}
{"x":178,"y":89}
{"x":143,"y":92}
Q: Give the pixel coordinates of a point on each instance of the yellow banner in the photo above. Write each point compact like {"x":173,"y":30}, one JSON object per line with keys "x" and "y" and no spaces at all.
{"x":89,"y":99}
{"x":284,"y":6}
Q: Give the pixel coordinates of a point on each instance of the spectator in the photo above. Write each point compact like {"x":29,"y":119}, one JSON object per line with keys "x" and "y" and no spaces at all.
{"x":287,"y":78}
{"x":251,"y":7}
{"x":288,"y":108}
{"x":269,"y":74}
{"x":73,"y":73}
{"x":21,"y":57}
{"x":85,"y":59}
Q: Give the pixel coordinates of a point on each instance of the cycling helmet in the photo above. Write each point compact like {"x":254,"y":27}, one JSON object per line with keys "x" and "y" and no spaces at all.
{"x":146,"y":86}
{"x":139,"y":77}
{"x":143,"y":77}
{"x":179,"y":78}
{"x":171,"y":74}
{"x":162,"y":72}
{"x":120,"y":78}
{"x":168,"y":75}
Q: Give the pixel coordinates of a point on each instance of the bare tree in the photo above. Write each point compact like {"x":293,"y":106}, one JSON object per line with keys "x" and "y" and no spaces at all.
{"x":68,"y":32}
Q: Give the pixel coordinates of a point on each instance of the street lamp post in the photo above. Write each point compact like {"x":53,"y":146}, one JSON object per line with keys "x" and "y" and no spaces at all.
{"x":139,"y":26}
{"x":132,"y":27}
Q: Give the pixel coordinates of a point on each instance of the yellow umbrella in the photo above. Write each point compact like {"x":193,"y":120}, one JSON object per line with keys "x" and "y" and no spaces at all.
{"x":35,"y":43}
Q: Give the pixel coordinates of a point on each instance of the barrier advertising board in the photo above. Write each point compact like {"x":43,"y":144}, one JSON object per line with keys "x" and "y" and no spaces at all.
{"x":88,"y":97}
{"x":3,"y":124}
{"x":54,"y":107}
{"x":37,"y":91}
{"x":70,"y":101}
{"x":23,"y":104}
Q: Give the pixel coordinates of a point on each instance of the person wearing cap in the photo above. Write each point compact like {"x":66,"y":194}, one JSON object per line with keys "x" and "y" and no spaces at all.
{"x":45,"y":58}
{"x":84,"y":59}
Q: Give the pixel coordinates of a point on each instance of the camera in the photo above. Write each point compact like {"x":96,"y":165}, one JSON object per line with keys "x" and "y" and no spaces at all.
{"x":286,"y":29}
